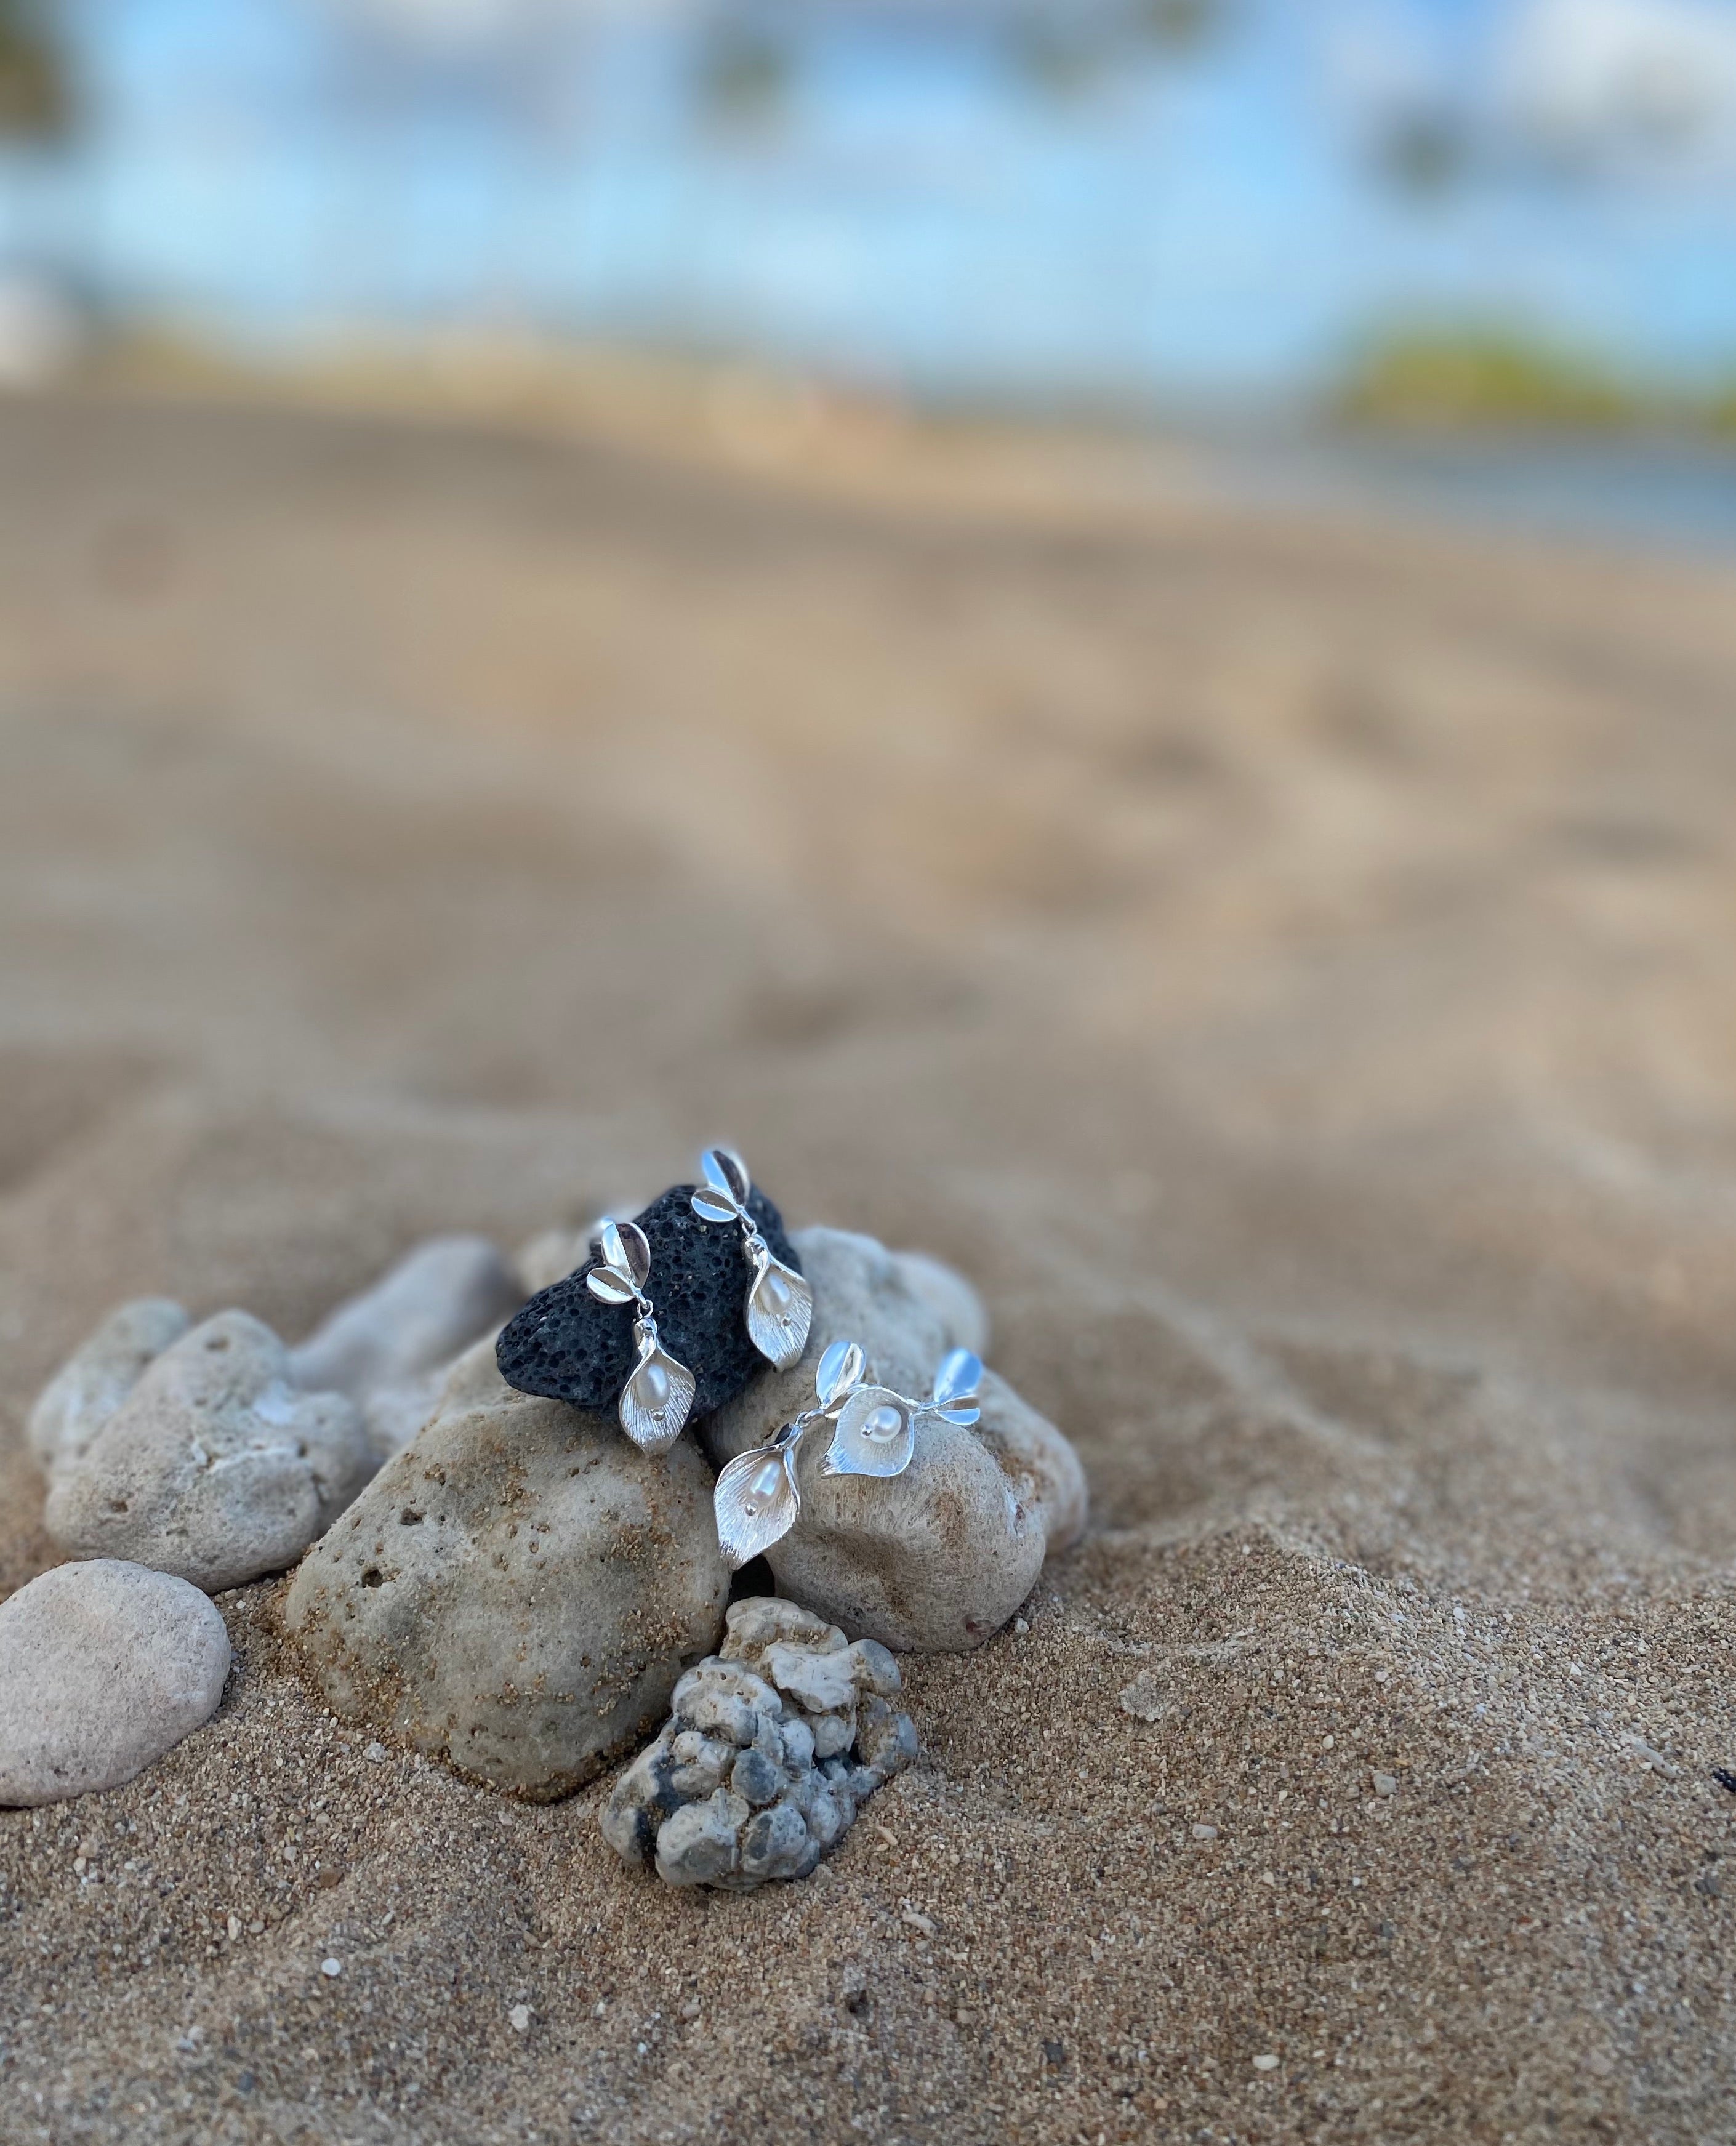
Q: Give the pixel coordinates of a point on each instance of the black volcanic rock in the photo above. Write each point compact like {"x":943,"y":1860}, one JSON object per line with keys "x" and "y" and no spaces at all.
{"x":571,"y":1346}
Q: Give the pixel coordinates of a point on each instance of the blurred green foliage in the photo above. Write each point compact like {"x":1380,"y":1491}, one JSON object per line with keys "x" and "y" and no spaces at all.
{"x":745,"y":73}
{"x":1484,"y":377}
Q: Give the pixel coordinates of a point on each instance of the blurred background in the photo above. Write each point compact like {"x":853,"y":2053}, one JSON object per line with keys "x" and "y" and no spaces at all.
{"x":1230,"y":215}
{"x":1102,"y":630}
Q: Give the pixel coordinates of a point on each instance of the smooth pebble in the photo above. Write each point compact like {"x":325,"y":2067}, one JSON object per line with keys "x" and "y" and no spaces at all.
{"x":104,"y":1666}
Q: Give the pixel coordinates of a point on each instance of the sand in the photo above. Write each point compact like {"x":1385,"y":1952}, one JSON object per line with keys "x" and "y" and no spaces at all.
{"x":1289,"y":966}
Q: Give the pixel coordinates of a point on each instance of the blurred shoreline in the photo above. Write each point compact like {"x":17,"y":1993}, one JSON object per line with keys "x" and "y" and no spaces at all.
{"x":1617,"y":486}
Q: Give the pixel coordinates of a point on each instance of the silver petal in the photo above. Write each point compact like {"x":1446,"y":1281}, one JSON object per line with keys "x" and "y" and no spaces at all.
{"x":714,"y":1207}
{"x":840,"y":1368}
{"x":780,"y":1311}
{"x":634,"y":1243}
{"x":725,"y":1171}
{"x":958,"y":1378}
{"x":756,"y":1503}
{"x":656,"y":1398}
{"x":876,"y":1435}
{"x":612,"y":1287}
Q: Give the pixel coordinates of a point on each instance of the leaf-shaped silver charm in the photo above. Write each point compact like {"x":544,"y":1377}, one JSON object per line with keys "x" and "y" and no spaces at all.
{"x":713,"y":1206}
{"x":756,"y":1503}
{"x":725,"y":1171}
{"x":780,"y":1311}
{"x":841,"y":1369}
{"x":877,"y":1435}
{"x":611,"y":1287}
{"x":959,"y":1377}
{"x":956,"y":1387}
{"x":656,"y":1398}
{"x":627,"y":1249}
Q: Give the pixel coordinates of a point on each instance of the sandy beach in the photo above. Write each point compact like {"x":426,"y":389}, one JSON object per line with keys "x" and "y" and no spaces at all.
{"x":1287,"y":964}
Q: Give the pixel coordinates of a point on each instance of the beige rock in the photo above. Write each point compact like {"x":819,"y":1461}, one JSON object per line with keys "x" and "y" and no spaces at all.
{"x":549,"y":1257}
{"x":215,"y":1468}
{"x":518,"y":1591}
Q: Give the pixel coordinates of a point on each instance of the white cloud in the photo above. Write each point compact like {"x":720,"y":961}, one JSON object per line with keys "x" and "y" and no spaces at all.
{"x":1606,"y":76}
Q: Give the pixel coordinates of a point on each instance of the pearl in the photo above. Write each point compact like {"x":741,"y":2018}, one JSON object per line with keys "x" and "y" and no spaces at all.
{"x":776,"y":1293}
{"x":882,"y":1423}
{"x":766,"y":1483}
{"x":653,"y":1383}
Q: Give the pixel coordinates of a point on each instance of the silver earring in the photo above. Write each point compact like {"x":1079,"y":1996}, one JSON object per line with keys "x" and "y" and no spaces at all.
{"x":758,"y":1500}
{"x":780,"y":1304}
{"x":876,"y":1433}
{"x":659,"y":1392}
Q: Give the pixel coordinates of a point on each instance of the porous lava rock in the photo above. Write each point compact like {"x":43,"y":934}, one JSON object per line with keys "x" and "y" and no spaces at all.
{"x":567,"y":1345}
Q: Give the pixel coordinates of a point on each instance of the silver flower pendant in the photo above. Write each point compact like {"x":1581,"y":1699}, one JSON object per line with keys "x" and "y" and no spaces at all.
{"x":658,"y":1394}
{"x":656,"y":1400}
{"x":757,"y":1499}
{"x":877,"y":1432}
{"x":780,"y":1303}
{"x":780,"y":1310}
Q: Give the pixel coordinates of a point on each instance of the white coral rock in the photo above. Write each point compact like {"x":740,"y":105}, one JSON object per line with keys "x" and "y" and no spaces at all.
{"x":772,"y":1745}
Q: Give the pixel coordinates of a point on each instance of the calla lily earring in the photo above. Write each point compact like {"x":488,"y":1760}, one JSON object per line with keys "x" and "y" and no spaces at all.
{"x":758,"y":1500}
{"x":656,"y":1400}
{"x":876,"y":1433}
{"x":780,"y":1303}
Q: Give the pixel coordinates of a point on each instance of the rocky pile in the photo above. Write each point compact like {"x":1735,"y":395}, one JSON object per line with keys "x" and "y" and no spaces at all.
{"x":771,"y":1746}
{"x":216,"y":1453}
{"x":519,"y":1590}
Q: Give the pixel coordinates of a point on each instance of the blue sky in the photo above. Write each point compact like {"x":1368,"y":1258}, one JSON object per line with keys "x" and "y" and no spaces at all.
{"x":917,"y":212}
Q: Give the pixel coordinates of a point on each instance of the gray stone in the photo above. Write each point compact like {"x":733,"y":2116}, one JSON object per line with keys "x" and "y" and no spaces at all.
{"x":104,"y":1667}
{"x":795,"y":1776}
{"x":215,"y":1467}
{"x":519,"y":1591}
{"x":99,"y":1375}
{"x":412,"y":1324}
{"x":938,"y":1558}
